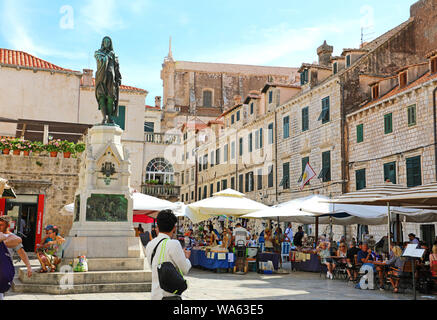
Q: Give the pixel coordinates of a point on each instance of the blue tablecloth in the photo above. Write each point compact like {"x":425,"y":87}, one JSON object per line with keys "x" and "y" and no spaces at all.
{"x":269,"y":256}
{"x":312,"y":265}
{"x":198,"y":258}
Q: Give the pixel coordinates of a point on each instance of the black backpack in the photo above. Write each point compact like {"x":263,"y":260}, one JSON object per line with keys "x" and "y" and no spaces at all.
{"x":170,"y":280}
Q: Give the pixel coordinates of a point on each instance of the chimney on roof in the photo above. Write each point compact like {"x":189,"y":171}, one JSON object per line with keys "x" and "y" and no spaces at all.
{"x":158,"y":102}
{"x":325,"y":53}
{"x":237,"y":100}
{"x":87,"y":77}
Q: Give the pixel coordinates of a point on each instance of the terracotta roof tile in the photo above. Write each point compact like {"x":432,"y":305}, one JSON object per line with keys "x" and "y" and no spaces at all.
{"x":153,"y":107}
{"x":25,"y":60}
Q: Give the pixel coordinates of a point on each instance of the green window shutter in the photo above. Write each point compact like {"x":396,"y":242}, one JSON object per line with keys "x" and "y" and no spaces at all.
{"x":388,"y":123}
{"x":360,"y":137}
{"x":260,"y":137}
{"x":238,"y":115}
{"x":217,"y":156}
{"x":241,"y":146}
{"x":305,"y":160}
{"x":286,"y":129}
{"x":240,"y":183}
{"x":233,"y":183}
{"x":390,"y":172}
{"x":251,"y":108}
{"x":305,"y":119}
{"x":260,"y":179}
{"x":286,"y":175}
{"x":121,"y":118}
{"x":360,"y":177}
{"x":150,"y":127}
{"x":211,"y":189}
{"x":270,"y":177}
{"x":232,"y":119}
{"x":270,"y":129}
{"x":324,"y":115}
{"x":326,"y":166}
{"x":414,"y":172}
{"x":249,"y":142}
{"x":411,"y":115}
{"x":218,"y":186}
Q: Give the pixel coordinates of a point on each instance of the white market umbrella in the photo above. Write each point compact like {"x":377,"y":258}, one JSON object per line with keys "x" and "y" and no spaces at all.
{"x":227,"y":202}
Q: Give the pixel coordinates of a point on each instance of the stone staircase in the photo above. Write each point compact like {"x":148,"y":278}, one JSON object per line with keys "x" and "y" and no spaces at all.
{"x":104,"y":275}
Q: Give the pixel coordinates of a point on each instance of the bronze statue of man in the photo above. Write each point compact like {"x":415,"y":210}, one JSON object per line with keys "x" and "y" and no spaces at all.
{"x":108,"y":80}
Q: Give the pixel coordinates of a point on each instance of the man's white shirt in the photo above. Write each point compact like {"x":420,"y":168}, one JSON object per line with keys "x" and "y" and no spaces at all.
{"x":173,"y":253}
{"x":289,"y":234}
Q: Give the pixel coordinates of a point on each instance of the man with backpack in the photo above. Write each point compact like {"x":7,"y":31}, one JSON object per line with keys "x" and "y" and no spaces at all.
{"x":163,"y":250}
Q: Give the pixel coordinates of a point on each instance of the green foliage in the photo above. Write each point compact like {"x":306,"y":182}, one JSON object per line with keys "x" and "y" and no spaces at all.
{"x":80,"y":147}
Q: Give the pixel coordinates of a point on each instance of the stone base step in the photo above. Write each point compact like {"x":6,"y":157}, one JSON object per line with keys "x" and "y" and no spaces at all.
{"x":18,"y":286}
{"x":112,"y":264}
{"x":90,"y":277}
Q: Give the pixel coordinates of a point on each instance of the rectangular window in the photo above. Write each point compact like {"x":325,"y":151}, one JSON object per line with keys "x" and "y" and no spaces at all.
{"x":249,"y":142}
{"x":390,"y":172}
{"x":240,"y":147}
{"x":285,"y":183}
{"x":150,"y":127}
{"x":260,"y":137}
{"x":286,"y":127}
{"x":402,"y":79}
{"x":233,"y":150}
{"x":335,"y":68}
{"x":270,"y":96}
{"x":304,"y":77}
{"x":238,"y":115}
{"x":325,"y":174}
{"x":260,"y":179}
{"x":414,"y":172}
{"x":232,"y":119}
{"x":249,"y":182}
{"x":270,"y":133}
{"x":182,"y":178}
{"x":192,"y":174}
{"x":212,"y":159}
{"x":121,"y":118}
{"x":182,"y":198}
{"x":388,"y":123}
{"x":256,"y":140}
{"x":224,"y":184}
{"x":199,"y":195}
{"x":305,"y":119}
{"x":205,"y":192}
{"x":270,"y":177}
{"x":233,"y":183}
{"x":205,"y":162}
{"x":192,"y":195}
{"x":225,"y":153}
{"x":360,"y":133}
{"x":218,"y":186}
{"x":411,"y":112}
{"x":251,"y":108}
{"x":348,"y":61}
{"x":324,"y":115}
{"x":240,"y":183}
{"x":360,"y":177}
{"x":207,"y":98}
{"x":211,"y":189}
{"x":375,"y":92}
{"x":304,"y":160}
{"x":217,"y":156}
{"x":200,"y":164}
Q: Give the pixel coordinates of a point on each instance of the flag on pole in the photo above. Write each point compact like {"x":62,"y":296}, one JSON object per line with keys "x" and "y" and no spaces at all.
{"x":307,"y":175}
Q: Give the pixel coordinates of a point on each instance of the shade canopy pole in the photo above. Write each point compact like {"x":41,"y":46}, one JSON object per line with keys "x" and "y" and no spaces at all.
{"x":388,"y":222}
{"x":317,"y":230}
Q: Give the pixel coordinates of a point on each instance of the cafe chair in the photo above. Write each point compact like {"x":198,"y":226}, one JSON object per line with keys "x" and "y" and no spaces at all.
{"x":285,"y":251}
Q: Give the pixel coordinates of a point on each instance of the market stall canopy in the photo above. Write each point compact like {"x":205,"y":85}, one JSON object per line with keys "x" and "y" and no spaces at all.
{"x":424,"y":197}
{"x":305,"y":210}
{"x":6,"y":191}
{"x":144,"y":204}
{"x":227,"y":202}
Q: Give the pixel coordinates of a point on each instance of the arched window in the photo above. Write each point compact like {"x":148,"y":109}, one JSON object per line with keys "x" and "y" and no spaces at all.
{"x":207,"y":98}
{"x":161,"y":170}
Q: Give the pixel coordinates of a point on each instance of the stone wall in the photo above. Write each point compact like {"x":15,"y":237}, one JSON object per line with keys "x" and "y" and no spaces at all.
{"x":56,"y":178}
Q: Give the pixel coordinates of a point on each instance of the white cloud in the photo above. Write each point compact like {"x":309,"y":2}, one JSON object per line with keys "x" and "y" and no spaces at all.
{"x":102,"y":15}
{"x":16,"y":34}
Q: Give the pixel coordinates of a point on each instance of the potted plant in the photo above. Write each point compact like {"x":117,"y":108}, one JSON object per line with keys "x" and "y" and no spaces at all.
{"x":37,"y":148}
{"x":26,"y":147}
{"x":79,"y":147}
{"x":17,"y":145}
{"x":5,"y":145}
{"x":54,"y":146}
{"x":68,"y":148}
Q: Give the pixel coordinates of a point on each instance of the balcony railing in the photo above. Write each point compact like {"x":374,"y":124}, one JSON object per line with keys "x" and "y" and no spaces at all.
{"x":162,"y":138}
{"x":159,"y":190}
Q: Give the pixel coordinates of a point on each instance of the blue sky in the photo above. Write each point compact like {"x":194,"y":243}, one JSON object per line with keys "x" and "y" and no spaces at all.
{"x":272,"y":33}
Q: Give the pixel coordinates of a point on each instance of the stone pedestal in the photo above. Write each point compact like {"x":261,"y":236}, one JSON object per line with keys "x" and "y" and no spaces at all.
{"x":103,"y":226}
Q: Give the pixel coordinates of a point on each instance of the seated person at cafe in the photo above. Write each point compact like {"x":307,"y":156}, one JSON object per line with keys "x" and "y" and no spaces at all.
{"x":350,"y":258}
{"x":324,"y":252}
{"x":268,"y":241}
{"x":396,"y":262}
{"x":413,"y":238}
{"x":367,"y":257}
{"x":297,"y":240}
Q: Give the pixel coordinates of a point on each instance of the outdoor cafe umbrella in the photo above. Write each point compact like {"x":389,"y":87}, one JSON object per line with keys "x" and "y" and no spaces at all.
{"x":227,"y":202}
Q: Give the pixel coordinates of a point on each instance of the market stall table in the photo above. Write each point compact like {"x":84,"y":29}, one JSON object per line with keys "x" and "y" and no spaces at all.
{"x":269,"y":256}
{"x":310,"y":265}
{"x":211,"y":260}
